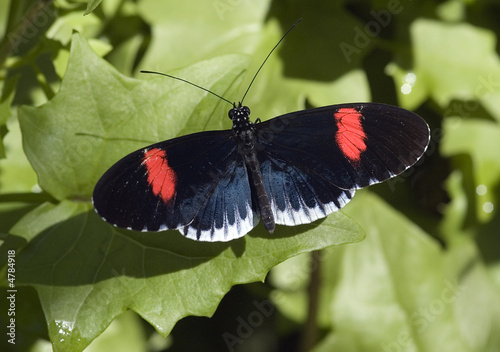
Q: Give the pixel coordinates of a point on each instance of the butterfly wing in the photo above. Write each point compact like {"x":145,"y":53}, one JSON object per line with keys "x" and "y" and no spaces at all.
{"x":297,"y":194}
{"x":196,"y":184}
{"x":313,"y":160}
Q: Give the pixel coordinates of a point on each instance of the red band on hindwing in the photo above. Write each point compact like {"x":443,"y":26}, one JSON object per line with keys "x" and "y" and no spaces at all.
{"x":350,"y":135}
{"x":160,"y":176}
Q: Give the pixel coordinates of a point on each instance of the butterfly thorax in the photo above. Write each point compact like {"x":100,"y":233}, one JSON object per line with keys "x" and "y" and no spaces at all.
{"x":244,"y":131}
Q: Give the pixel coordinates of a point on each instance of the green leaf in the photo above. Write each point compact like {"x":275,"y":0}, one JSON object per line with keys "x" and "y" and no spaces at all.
{"x":399,"y":291}
{"x":79,"y":263}
{"x":123,"y":57}
{"x":7,"y":91}
{"x":4,"y":12}
{"x":125,"y":334}
{"x":3,"y":131}
{"x":16,"y":175}
{"x":480,"y":141}
{"x":91,"y":6}
{"x":446,"y":68}
{"x":63,"y":27}
{"x":76,"y":261}
{"x":221,"y":28}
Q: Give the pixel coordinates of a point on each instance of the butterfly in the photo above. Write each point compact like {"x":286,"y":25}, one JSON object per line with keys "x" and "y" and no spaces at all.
{"x":290,"y":170}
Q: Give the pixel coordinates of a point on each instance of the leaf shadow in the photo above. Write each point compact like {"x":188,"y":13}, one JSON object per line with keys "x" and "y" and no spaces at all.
{"x":84,"y":250}
{"x":283,"y":231}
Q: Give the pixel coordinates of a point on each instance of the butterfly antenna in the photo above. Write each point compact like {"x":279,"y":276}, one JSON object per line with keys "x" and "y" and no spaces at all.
{"x":267,"y":57}
{"x":253,"y":79}
{"x":191,"y":83}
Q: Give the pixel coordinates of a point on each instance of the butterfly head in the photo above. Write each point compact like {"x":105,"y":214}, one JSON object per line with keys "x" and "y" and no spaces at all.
{"x":239,"y":113}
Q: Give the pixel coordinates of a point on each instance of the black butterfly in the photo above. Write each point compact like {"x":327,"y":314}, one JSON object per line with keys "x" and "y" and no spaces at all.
{"x":290,"y":170}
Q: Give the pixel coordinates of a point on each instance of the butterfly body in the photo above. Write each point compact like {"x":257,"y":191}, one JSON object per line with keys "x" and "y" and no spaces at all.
{"x":245,"y":133}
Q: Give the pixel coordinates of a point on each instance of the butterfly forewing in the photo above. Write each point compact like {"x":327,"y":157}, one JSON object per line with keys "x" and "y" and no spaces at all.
{"x":352,"y":145}
{"x":196,"y":183}
{"x":313,"y":160}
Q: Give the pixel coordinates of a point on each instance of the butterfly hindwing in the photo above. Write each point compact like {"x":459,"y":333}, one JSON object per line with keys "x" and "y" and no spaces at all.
{"x":298,"y":197}
{"x":196,"y":183}
{"x":227,"y":212}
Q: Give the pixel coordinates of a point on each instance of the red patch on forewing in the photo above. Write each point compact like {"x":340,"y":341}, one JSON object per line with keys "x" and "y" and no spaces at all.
{"x":160,"y":176}
{"x":350,"y":134}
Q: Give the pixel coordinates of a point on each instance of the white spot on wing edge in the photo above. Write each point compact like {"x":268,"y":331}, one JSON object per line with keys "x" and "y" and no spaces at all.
{"x":306,"y":215}
{"x":227,"y":232}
